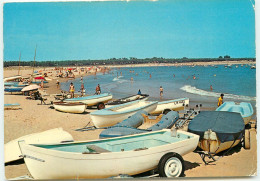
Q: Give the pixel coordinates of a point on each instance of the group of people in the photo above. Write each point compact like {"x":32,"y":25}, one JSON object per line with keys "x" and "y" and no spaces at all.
{"x":82,"y":90}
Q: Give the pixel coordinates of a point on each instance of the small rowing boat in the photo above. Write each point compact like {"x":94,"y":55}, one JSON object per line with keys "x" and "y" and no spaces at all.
{"x":115,"y":114}
{"x":121,"y":129}
{"x":94,"y":100}
{"x":143,"y":97}
{"x":171,"y":105}
{"x":244,"y":108}
{"x":73,"y":107}
{"x":218,"y":130}
{"x":13,"y":106}
{"x":13,"y":89}
{"x":53,"y":136}
{"x":105,"y":158}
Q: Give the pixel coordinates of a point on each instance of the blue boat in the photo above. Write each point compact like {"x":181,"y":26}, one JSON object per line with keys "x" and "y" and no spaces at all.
{"x":244,"y":108}
{"x":129,"y":125}
{"x":11,"y":106}
{"x":13,"y":89}
{"x":39,"y":82}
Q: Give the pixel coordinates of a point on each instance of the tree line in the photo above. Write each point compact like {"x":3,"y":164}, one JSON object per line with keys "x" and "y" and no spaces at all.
{"x":119,"y":61}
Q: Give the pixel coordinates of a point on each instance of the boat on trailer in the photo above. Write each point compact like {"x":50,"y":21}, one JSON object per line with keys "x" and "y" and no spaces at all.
{"x":171,"y":105}
{"x":219,"y":130}
{"x":52,"y":136}
{"x":124,"y":128}
{"x":73,"y":107}
{"x":106,"y":158}
{"x":244,"y":108}
{"x":115,"y":114}
{"x":94,"y":100}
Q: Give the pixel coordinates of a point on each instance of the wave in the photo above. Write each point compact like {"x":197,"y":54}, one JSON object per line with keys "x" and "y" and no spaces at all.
{"x":117,"y":78}
{"x":194,"y":90}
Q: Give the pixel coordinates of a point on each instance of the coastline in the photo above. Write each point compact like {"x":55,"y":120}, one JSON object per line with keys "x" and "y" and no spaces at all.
{"x":34,"y":117}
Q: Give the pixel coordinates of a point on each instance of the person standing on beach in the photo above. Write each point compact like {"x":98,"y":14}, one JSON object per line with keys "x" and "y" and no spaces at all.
{"x":161,"y":91}
{"x":42,"y":84}
{"x":211,"y":88}
{"x":220,"y":100}
{"x":98,"y":89}
{"x":58,"y":83}
{"x":82,"y":89}
{"x":72,"y":90}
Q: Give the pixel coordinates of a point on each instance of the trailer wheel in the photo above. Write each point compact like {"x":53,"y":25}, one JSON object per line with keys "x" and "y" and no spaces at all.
{"x":247,"y":139}
{"x":100,"y":106}
{"x":171,"y":165}
{"x":165,"y":111}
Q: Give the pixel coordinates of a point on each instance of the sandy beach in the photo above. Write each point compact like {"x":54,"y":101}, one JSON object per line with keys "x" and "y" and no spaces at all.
{"x":34,"y":117}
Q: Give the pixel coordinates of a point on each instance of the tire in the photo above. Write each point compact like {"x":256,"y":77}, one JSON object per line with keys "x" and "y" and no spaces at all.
{"x":247,"y":139}
{"x":100,"y":106}
{"x":165,"y":111}
{"x":171,"y":165}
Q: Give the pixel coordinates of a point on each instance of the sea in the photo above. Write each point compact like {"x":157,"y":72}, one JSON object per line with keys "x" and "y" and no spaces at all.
{"x":236,"y":82}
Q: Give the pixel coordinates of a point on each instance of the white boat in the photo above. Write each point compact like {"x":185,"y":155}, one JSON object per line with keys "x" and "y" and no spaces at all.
{"x":143,"y":97}
{"x":13,"y":106}
{"x":131,"y":155}
{"x":53,"y":136}
{"x":95,"y":100}
{"x":244,"y":108}
{"x":68,"y":107}
{"x":12,"y":78}
{"x":30,"y":88}
{"x":115,"y":114}
{"x":174,"y":105}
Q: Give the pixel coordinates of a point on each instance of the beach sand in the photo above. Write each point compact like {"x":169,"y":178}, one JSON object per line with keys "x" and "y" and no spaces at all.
{"x":34,"y":117}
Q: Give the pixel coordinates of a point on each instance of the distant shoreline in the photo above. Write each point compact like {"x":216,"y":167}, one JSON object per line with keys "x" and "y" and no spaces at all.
{"x":206,"y":63}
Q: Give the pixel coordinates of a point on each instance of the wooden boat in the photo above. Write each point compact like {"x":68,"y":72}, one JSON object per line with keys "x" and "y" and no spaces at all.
{"x":115,"y":114}
{"x":95,"y":100}
{"x":53,"y":136}
{"x":143,"y":97}
{"x":12,"y":78}
{"x":68,"y":107}
{"x":175,"y":105}
{"x":123,"y":128}
{"x":218,"y":130}
{"x":244,"y":108}
{"x":129,"y":155}
{"x":13,"y":106}
{"x":13,"y":89}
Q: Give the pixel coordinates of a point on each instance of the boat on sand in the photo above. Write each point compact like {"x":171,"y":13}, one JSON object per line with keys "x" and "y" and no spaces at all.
{"x":122,"y":129}
{"x":115,"y":114}
{"x":52,"y":136}
{"x":68,"y":107}
{"x":105,"y":158}
{"x":171,"y":105}
{"x":94,"y":100}
{"x":143,"y":97}
{"x":244,"y":108}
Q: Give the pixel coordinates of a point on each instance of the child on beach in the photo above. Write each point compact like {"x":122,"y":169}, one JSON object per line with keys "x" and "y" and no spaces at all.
{"x":220,"y":100}
{"x":72,"y":89}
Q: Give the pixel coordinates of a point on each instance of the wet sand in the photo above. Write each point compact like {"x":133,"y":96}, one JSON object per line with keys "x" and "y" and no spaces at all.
{"x":34,"y":117}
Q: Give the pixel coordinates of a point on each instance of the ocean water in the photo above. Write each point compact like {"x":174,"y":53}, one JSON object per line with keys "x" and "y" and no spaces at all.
{"x":238,"y":83}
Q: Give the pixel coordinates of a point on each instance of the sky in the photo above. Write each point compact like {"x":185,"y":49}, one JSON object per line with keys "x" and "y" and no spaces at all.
{"x":141,"y":29}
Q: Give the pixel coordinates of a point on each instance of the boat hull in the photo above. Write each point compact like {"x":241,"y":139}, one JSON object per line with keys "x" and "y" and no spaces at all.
{"x":110,"y":120}
{"x":92,"y":102}
{"x":70,"y":107}
{"x":174,"y":105}
{"x":53,"y":164}
{"x":53,"y":136}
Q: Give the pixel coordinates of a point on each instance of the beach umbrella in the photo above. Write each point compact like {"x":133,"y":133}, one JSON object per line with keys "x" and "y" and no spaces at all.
{"x":39,"y":78}
{"x":30,"y":87}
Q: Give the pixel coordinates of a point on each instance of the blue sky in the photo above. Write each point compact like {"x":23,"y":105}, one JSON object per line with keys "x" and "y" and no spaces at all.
{"x":101,"y":30}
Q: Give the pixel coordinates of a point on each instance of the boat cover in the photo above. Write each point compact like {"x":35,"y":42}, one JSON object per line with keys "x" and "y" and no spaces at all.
{"x":228,"y":126}
{"x":167,"y":121}
{"x":244,"y":108}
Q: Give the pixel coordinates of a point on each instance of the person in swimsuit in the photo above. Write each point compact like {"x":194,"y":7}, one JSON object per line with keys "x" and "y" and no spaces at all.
{"x":98,"y":89}
{"x":161,"y":91}
{"x":72,"y":90}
